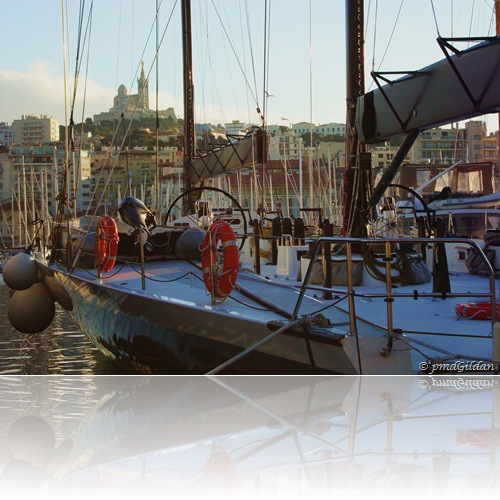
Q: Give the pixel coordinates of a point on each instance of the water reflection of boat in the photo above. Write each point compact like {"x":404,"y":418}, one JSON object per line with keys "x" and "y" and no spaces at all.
{"x":350,"y":437}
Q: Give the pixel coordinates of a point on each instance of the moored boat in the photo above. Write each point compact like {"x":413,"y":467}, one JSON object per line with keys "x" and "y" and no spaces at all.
{"x":171,"y":298}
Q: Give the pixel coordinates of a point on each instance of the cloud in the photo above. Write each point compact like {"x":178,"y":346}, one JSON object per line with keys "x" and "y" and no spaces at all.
{"x":41,"y":92}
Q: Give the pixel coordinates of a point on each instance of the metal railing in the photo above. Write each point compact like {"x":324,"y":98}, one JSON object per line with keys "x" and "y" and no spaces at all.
{"x":389,"y":295}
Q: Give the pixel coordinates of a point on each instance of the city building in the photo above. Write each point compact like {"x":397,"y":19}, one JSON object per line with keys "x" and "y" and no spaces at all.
{"x":476,"y":133}
{"x":490,"y":147}
{"x":6,"y":134}
{"x":4,"y":175}
{"x":131,"y":173}
{"x":470,"y":144}
{"x":236,"y":127}
{"x":285,"y":144}
{"x":35,"y":130}
{"x":325,"y":129}
{"x":332,"y":151}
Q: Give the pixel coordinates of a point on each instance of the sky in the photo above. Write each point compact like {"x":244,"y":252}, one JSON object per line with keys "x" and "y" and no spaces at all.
{"x":303,"y":70}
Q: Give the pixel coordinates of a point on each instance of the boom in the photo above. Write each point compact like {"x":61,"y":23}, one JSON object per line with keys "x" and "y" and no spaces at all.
{"x":463,"y":85}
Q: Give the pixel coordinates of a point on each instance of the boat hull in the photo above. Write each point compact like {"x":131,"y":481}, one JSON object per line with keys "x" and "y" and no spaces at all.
{"x":152,"y":335}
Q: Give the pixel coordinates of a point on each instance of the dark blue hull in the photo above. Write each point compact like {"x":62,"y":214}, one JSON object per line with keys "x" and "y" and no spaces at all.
{"x":154,"y":336}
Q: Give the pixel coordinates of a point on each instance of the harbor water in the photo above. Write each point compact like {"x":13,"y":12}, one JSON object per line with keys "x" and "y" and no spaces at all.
{"x":60,"y":349}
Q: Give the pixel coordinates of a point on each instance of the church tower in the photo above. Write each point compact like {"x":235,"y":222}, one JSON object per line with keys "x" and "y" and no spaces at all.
{"x":142,"y":86}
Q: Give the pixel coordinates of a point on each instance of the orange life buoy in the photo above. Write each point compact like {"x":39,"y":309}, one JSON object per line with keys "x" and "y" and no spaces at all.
{"x":476,"y":310}
{"x":219,"y":282}
{"x":220,"y":471}
{"x":480,"y":438}
{"x":106,"y":244}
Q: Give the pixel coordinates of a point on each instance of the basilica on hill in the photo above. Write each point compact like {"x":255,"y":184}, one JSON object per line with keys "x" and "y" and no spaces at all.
{"x":133,"y":105}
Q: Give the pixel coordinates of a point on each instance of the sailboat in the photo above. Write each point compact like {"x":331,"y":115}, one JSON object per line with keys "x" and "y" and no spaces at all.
{"x":176,"y":297}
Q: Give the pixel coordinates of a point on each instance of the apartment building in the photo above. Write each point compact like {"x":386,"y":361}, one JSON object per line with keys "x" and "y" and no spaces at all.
{"x":321,"y":129}
{"x":35,"y":130}
{"x":131,"y":173}
{"x":490,"y":147}
{"x":6,"y":134}
{"x":236,"y":127}
{"x":285,"y":144}
{"x":449,"y":145}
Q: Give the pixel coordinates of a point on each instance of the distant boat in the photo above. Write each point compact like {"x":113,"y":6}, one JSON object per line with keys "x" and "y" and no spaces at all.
{"x":486,"y":201}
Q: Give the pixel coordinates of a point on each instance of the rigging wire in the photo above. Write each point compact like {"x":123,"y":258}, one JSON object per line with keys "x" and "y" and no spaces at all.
{"x":374,"y":34}
{"x":88,"y":32}
{"x":267,"y":58}
{"x":310,"y":157}
{"x":254,"y":97}
{"x":252,"y":59}
{"x":472,"y":17}
{"x":70,"y":129}
{"x":209,"y":65}
{"x":265,"y":97}
{"x":435,"y":17}
{"x":242,"y":31}
{"x":158,"y":194}
{"x":118,"y":46}
{"x":132,"y":31}
{"x":65,"y":70}
{"x":392,"y":33}
{"x":127,"y":131}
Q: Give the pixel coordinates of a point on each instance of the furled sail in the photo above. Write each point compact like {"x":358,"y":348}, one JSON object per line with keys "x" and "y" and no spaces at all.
{"x":240,"y":152}
{"x":459,"y":87}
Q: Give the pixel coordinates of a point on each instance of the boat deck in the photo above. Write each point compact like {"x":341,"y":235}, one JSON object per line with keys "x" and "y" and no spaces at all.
{"x":406,"y":321}
{"x":428,"y":323}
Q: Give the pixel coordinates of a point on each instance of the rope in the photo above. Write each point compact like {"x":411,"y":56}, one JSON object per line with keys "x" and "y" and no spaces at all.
{"x":266,"y":254}
{"x":373,"y":265}
{"x":246,"y":304}
{"x":108,"y":275}
{"x":233,"y":360}
{"x":163,"y":281}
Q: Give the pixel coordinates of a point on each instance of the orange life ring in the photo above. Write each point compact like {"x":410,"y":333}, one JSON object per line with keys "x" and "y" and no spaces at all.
{"x":220,"y":471}
{"x":480,"y":438}
{"x":476,"y":310}
{"x":219,"y":282}
{"x":106,"y":244}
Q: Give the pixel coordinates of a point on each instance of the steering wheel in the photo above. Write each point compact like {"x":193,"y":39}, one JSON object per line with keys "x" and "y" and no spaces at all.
{"x":190,"y":192}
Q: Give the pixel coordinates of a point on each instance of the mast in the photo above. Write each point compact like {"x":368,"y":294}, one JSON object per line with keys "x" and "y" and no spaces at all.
{"x":189,"y":132}
{"x":157,"y":144}
{"x":25,"y":208}
{"x":497,"y":16}
{"x":358,"y":162}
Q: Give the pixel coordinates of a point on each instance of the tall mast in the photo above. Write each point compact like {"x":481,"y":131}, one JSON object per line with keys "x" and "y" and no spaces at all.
{"x":497,"y":16}
{"x":358,"y":164}
{"x":189,"y":132}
